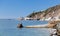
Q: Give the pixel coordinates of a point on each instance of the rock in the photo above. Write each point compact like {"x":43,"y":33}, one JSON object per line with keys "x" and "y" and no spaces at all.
{"x":20,"y":26}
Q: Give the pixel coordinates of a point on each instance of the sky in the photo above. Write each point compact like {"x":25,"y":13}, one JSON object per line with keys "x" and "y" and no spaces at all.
{"x":22,"y":8}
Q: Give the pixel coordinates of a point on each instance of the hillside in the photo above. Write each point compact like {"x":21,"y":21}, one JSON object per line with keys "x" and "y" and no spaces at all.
{"x":52,"y":13}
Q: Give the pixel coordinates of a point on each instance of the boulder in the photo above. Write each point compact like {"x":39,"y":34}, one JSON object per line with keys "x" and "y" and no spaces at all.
{"x":20,"y":26}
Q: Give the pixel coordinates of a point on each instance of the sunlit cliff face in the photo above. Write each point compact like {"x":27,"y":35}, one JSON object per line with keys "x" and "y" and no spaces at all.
{"x":53,"y":12}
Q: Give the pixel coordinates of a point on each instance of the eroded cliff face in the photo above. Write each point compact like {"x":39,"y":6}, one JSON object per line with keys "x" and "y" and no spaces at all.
{"x":51,"y":12}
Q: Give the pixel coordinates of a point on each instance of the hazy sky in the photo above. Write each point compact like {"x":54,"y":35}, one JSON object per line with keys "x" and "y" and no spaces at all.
{"x":22,"y":8}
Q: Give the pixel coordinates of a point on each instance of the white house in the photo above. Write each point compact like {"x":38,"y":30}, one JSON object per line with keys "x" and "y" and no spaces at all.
{"x":27,"y":18}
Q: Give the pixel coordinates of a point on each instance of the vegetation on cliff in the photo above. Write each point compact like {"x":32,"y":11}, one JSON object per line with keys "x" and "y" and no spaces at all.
{"x":50,"y":12}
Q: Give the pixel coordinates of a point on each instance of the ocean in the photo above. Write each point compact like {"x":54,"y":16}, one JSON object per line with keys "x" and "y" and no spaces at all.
{"x":9,"y":28}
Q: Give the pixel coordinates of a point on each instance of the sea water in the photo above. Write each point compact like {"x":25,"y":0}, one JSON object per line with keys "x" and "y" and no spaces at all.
{"x":9,"y":28}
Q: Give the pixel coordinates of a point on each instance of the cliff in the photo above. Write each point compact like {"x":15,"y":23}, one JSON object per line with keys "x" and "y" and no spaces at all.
{"x":50,"y":13}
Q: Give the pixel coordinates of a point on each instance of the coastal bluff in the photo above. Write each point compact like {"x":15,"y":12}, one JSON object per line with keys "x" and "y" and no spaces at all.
{"x":48,"y":14}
